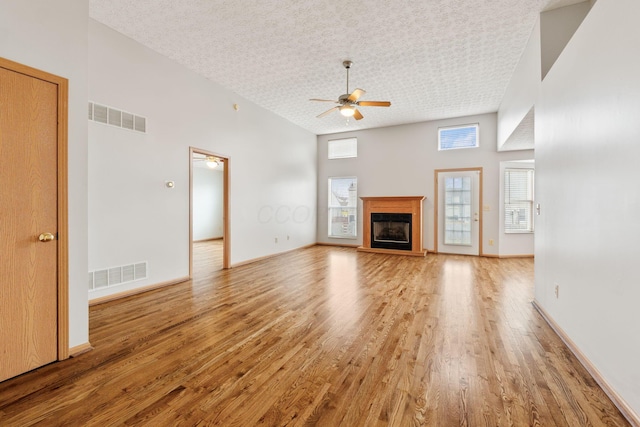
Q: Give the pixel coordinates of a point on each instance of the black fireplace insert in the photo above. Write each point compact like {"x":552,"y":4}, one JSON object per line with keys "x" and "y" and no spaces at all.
{"x":391,"y":231}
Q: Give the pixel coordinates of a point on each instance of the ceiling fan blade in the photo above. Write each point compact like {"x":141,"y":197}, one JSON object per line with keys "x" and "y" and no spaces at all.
{"x":326,"y":113}
{"x":357,"y":115}
{"x":374,"y":103}
{"x":323,"y":100}
{"x":356,"y":94}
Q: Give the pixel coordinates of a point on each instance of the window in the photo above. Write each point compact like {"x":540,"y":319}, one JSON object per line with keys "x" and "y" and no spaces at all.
{"x":343,"y":207}
{"x":457,"y":207}
{"x":518,"y":201}
{"x":452,"y":138}
{"x":343,"y":148}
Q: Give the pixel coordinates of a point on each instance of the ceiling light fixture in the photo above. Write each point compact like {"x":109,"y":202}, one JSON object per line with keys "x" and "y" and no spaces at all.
{"x":212,"y":162}
{"x":347,"y":110}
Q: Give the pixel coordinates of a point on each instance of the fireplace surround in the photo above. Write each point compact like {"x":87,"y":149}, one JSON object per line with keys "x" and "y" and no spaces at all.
{"x":393,"y":225}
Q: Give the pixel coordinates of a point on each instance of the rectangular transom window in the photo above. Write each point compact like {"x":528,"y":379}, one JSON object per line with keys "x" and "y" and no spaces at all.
{"x":518,"y":200}
{"x":343,"y":148}
{"x":343,"y":207}
{"x":455,"y":137}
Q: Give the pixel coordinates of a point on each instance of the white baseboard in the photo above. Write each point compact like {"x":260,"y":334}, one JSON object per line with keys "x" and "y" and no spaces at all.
{"x":617,"y":400}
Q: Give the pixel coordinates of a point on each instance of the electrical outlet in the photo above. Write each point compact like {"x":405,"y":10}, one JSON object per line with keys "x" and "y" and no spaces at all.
{"x":557,"y":291}
{"x":490,"y":242}
{"x":287,"y":237}
{"x":276,"y":240}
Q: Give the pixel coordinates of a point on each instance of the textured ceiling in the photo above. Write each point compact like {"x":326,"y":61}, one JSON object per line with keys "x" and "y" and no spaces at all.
{"x":432,"y":59}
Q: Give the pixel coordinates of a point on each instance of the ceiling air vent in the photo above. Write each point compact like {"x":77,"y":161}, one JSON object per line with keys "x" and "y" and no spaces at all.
{"x":118,"y":118}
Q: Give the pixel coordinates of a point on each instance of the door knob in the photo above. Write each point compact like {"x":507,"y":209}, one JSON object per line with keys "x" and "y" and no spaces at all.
{"x":46,"y":237}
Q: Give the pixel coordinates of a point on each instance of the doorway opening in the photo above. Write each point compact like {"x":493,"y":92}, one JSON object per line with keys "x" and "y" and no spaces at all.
{"x":457,"y":210}
{"x":209,"y":239}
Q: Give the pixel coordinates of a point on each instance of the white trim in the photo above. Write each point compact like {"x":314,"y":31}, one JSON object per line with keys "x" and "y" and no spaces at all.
{"x":617,"y":400}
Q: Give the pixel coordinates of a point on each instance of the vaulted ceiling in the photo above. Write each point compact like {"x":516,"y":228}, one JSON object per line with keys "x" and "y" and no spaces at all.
{"x":432,"y":59}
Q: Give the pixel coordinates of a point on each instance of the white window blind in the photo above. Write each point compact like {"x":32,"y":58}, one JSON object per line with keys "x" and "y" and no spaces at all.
{"x":456,"y":137}
{"x":343,"y":207}
{"x":518,"y":200}
{"x":343,"y":148}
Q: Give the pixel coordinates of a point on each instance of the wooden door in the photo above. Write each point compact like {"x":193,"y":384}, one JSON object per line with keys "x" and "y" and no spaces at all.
{"x":28,"y":208}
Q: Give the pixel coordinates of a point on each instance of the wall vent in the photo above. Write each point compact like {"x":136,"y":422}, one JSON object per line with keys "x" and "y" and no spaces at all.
{"x":118,"y":118}
{"x":114,"y":276}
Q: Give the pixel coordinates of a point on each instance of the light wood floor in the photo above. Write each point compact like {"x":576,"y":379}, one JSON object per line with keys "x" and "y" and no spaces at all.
{"x":321,"y":336}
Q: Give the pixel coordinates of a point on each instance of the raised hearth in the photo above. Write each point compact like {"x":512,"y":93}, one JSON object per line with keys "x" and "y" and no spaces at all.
{"x":392,"y":225}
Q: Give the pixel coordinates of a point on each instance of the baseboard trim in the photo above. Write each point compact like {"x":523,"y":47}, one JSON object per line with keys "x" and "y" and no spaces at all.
{"x":341,"y":245}
{"x":617,"y":400}
{"x":136,"y":291}
{"x":262,"y":258}
{"x":77,"y":350}
{"x":210,"y":239}
{"x":516,"y":256}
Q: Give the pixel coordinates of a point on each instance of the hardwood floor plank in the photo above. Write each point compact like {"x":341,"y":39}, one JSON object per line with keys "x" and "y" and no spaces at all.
{"x":320,"y":336}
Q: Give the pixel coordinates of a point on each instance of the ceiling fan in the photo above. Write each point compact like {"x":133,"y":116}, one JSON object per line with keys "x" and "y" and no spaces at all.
{"x":212,"y":162}
{"x":349,"y":101}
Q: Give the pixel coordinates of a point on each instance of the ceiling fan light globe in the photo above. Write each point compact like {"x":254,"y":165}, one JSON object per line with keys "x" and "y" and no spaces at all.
{"x":211,"y":162}
{"x":347,"y":110}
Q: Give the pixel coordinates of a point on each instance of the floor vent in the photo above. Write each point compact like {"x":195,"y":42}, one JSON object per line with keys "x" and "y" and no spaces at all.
{"x":117,"y":275}
{"x":114,"y":117}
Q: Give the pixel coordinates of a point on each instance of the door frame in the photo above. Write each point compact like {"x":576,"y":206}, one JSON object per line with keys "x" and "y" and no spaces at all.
{"x":436,"y":201}
{"x":62,"y":181}
{"x":226,"y":235}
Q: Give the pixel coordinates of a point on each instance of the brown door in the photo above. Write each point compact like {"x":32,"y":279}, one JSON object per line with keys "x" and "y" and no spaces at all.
{"x":28,"y":209}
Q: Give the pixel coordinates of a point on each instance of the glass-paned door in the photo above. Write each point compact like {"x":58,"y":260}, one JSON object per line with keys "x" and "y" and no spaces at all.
{"x":458,"y":225}
{"x":457,"y":207}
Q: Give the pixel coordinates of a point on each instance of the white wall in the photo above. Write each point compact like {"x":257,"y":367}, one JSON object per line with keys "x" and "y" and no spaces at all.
{"x":557,"y":26}
{"x":587,"y":151}
{"x":208,"y":203}
{"x":514,"y":243}
{"x":400,"y":161}
{"x":52,"y":36}
{"x":549,"y":36}
{"x":522,"y":92}
{"x":133,"y":217}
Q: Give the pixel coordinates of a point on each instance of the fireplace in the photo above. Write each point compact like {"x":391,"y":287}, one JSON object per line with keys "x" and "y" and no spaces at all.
{"x":391,"y":231}
{"x":392,"y":225}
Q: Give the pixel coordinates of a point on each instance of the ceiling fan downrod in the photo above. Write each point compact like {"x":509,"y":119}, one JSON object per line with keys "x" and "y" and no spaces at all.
{"x":347,"y":64}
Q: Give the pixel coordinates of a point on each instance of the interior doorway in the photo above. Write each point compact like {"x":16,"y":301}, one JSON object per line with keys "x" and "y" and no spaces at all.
{"x":209,"y":209}
{"x":458,"y":222}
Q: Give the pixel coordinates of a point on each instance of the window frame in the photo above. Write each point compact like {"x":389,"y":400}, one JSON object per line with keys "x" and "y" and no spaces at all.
{"x":529,"y":201}
{"x":350,"y":155}
{"x":442,"y":129}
